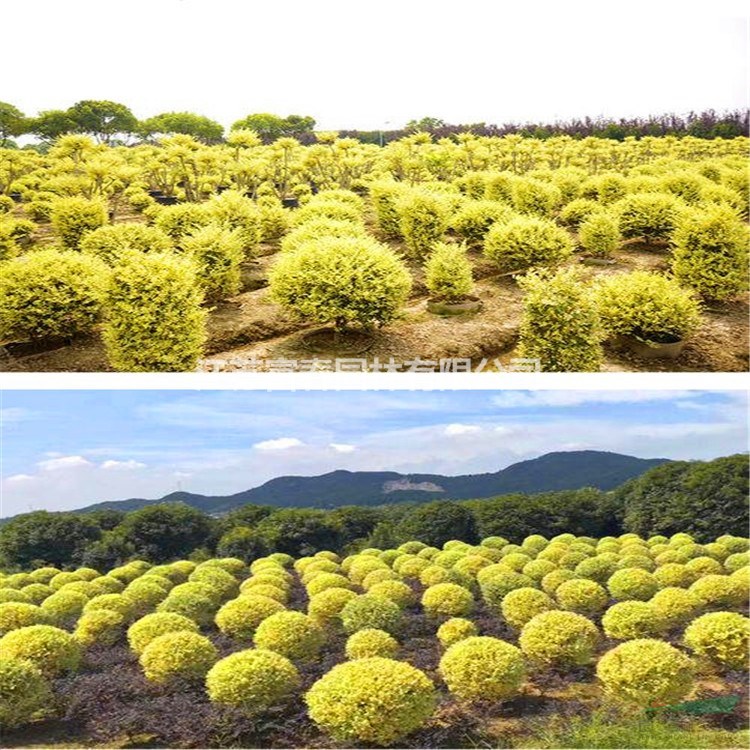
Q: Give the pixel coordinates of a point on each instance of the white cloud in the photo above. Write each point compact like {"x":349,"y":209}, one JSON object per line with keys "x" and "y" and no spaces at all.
{"x":343,"y":447}
{"x":278,"y":444}
{"x":14,"y":414}
{"x":523,"y":400}
{"x":65,"y":462}
{"x":20,"y":478}
{"x":129,"y":465}
{"x":461,"y":429}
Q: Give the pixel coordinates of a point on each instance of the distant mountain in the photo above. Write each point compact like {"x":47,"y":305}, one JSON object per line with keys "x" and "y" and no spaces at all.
{"x":568,"y":470}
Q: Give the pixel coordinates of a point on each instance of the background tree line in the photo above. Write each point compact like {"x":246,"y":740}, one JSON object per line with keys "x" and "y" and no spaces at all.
{"x":704,"y":499}
{"x":112,"y":122}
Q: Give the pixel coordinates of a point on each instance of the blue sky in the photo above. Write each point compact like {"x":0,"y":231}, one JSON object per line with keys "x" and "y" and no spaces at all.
{"x":66,"y":449}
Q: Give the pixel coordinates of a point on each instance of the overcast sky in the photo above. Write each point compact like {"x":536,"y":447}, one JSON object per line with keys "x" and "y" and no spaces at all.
{"x":67,"y":449}
{"x":377,"y":64}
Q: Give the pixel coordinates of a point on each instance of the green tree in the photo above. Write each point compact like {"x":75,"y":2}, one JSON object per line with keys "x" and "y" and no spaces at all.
{"x":438,"y":522}
{"x":54,"y":538}
{"x":355,"y":521}
{"x":704,"y":498}
{"x":165,"y":531}
{"x":106,"y":519}
{"x":102,"y":119}
{"x":108,"y":552}
{"x":299,"y":532}
{"x":271,"y":127}
{"x":13,"y":122}
{"x":424,"y":124}
{"x":242,"y":542}
{"x":168,"y":123}
{"x":51,"y":124}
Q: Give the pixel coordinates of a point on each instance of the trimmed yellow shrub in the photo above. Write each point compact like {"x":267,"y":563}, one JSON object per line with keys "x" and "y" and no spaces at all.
{"x":291,"y":634}
{"x":271,"y":591}
{"x":154,"y":319}
{"x":253,"y":680}
{"x":145,"y":593}
{"x":646,"y":672}
{"x":448,"y":272}
{"x":325,"y":608}
{"x":370,"y":611}
{"x":670,"y":575}
{"x":576,"y":212}
{"x":50,"y":649}
{"x":371,"y":642}
{"x":732,"y":562}
{"x":398,"y":592}
{"x":649,"y":215}
{"x":521,"y":605}
{"x":525,"y":242}
{"x":538,"y":569}
{"x":240,"y":617}
{"x":23,"y":692}
{"x":182,"y":219}
{"x":496,"y":584}
{"x":475,"y":218}
{"x":44,"y":575}
{"x":675,"y":606}
{"x":178,"y":654}
{"x":559,"y":638}
{"x":36,"y":592}
{"x":194,"y":606}
{"x":553,"y":579}
{"x":384,"y":197}
{"x":326,"y":209}
{"x":531,"y":196}
{"x":108,"y":242}
{"x":711,"y":252}
{"x":719,"y":591}
{"x":647,"y":305}
{"x":376,"y":701}
{"x":423,"y":219}
{"x":342,"y":282}
{"x":704,"y":565}
{"x":114,"y":602}
{"x":14,"y":595}
{"x":598,"y":568}
{"x":72,"y":217}
{"x":632,"y":619}
{"x":102,"y":626}
{"x":482,"y":668}
{"x":224,"y":584}
{"x":318,"y":229}
{"x":454,"y":630}
{"x":560,"y":322}
{"x":378,"y":576}
{"x":447,"y":599}
{"x":632,"y":583}
{"x":74,"y":289}
{"x":14,"y":615}
{"x":581,"y":595}
{"x":600,"y":234}
{"x":722,"y":637}
{"x":237,"y":214}
{"x":143,"y":631}
{"x":217,"y":253}
{"x":64,"y":605}
{"x":362,"y":565}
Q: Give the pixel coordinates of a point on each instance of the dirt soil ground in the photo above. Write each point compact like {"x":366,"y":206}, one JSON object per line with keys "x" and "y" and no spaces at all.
{"x":249,"y":332}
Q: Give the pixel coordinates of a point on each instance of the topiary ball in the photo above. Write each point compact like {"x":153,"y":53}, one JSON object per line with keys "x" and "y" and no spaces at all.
{"x":375,"y":701}
{"x":673,"y":574}
{"x":325,"y":608}
{"x":454,"y":630}
{"x":291,"y":634}
{"x":23,"y":692}
{"x":398,"y":592}
{"x":369,"y":611}
{"x":632,"y":583}
{"x":240,"y":617}
{"x":143,"y":631}
{"x":582,"y":595}
{"x":496,"y":584}
{"x":50,"y":649}
{"x":102,"y":626}
{"x":646,"y":672}
{"x":720,"y":592}
{"x":721,"y":637}
{"x":552,"y":580}
{"x":14,"y":615}
{"x":632,"y":619}
{"x":447,"y":599}
{"x":558,"y":638}
{"x":252,"y":680}
{"x":521,"y":605}
{"x":675,"y":606}
{"x":371,"y":642}
{"x":481,"y":667}
{"x":179,"y":654}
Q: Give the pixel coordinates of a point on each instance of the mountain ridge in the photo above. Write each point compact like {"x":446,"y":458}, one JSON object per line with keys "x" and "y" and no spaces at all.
{"x":558,"y":470}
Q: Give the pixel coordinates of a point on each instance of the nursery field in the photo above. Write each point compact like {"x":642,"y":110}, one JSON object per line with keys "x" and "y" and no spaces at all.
{"x":562,"y":642}
{"x":481,"y":252}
